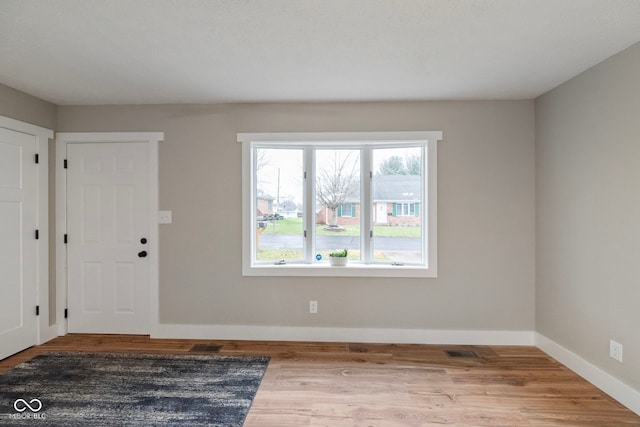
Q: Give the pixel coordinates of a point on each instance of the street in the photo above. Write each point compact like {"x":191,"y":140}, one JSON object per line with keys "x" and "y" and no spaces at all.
{"x":290,"y":241}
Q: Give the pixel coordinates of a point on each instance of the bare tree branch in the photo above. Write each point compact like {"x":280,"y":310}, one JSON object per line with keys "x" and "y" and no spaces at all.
{"x":262,"y":158}
{"x":337,"y":182}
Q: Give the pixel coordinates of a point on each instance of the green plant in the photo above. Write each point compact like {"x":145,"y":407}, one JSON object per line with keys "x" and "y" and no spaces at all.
{"x":339,"y":254}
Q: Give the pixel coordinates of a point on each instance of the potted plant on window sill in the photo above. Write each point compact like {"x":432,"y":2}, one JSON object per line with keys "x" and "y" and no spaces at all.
{"x":338,"y":258}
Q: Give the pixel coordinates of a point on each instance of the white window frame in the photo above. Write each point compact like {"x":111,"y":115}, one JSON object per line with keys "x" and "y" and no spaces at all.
{"x":428,"y":139}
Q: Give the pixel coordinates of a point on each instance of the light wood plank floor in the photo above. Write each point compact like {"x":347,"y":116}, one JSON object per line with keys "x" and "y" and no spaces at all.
{"x":341,"y":384}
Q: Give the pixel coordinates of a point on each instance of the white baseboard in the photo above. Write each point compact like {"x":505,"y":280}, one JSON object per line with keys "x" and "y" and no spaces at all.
{"x":47,"y":334}
{"x":615,"y":388}
{"x":324,"y":334}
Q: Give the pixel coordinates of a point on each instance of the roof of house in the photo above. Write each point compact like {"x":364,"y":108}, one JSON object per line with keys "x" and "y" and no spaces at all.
{"x":396,"y":188}
{"x":392,"y":188}
{"x":265,"y":197}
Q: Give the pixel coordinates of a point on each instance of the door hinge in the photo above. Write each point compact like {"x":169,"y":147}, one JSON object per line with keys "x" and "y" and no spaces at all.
{"x":305,"y":233}
{"x":37,"y":310}
{"x":65,"y":238}
{"x":66,"y":313}
{"x":37,"y":234}
{"x":37,"y":158}
{"x":65,"y":163}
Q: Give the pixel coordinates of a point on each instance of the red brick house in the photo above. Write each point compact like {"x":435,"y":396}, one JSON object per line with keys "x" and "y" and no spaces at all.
{"x":264,"y":205}
{"x":396,"y":200}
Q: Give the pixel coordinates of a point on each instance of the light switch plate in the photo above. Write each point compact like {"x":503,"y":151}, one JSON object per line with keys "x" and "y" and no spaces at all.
{"x":164,"y":217}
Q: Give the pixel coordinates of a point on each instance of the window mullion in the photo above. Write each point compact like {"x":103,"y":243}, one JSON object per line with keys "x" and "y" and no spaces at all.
{"x":366,"y":204}
{"x":429,"y":209}
{"x":309,"y":196}
{"x":427,"y":190}
{"x":250,"y":218}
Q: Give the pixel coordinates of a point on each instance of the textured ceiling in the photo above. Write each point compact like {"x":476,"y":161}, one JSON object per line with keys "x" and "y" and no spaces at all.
{"x":206,"y":51}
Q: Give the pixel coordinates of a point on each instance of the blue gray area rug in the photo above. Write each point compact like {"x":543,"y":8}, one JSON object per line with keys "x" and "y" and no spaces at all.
{"x":104,"y":389}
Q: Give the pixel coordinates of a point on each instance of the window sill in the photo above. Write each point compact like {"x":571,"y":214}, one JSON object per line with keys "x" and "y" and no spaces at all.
{"x":351,"y":270}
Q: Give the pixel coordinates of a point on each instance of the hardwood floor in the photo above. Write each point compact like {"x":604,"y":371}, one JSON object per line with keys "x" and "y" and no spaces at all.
{"x":341,"y":384}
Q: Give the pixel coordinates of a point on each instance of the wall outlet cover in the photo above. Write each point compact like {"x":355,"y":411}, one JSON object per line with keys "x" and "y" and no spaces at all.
{"x":615,"y":350}
{"x":164,"y":217}
{"x":313,"y":307}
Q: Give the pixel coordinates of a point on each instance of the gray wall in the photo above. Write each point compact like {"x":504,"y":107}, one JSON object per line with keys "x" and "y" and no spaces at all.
{"x":588,"y":214}
{"x":486,"y":216}
{"x":579,"y":287}
{"x":26,"y":108}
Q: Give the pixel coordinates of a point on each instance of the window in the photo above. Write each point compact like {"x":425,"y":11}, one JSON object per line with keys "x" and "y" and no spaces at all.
{"x":347,"y":210}
{"x":406,"y":209}
{"x":278,"y":178}
{"x":372,"y":193}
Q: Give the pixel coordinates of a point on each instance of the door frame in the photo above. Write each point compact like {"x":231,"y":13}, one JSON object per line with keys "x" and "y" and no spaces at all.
{"x":62,"y":140}
{"x":45,"y":332}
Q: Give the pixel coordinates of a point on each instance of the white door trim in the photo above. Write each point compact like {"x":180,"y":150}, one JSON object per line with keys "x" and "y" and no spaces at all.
{"x":42,"y":136}
{"x":62,"y":139}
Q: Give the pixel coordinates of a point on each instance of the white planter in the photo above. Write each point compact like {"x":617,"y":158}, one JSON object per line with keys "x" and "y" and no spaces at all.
{"x":338,"y":261}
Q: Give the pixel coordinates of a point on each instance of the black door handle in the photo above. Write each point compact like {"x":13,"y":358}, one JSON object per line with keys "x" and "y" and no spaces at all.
{"x":142,"y":254}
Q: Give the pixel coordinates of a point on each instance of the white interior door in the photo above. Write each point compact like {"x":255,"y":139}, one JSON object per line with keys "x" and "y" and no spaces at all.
{"x":108,"y":228}
{"x":18,"y":288}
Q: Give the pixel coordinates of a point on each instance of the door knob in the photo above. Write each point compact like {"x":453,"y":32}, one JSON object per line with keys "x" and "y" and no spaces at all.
{"x":142,"y":254}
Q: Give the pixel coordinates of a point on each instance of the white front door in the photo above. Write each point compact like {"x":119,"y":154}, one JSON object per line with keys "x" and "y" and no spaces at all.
{"x":108,"y":231}
{"x":381,"y":213}
{"x":18,"y":290}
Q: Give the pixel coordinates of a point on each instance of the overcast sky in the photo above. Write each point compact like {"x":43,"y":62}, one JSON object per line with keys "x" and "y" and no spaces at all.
{"x":289,"y":163}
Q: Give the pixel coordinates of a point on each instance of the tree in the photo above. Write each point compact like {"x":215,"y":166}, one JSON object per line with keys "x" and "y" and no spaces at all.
{"x":394,"y":165}
{"x":262,"y":159}
{"x":337,"y":182}
{"x":287,"y":205}
{"x":413,"y":164}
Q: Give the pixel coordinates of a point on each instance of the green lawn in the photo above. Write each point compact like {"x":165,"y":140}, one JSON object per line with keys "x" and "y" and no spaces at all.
{"x":284,"y":226}
{"x":396,"y":231}
{"x":278,"y":254}
{"x":294,"y":226}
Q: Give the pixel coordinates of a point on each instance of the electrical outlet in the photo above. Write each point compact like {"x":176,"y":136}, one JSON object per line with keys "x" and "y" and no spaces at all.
{"x":615,"y":350}
{"x":164,"y":217}
{"x":313,"y":307}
